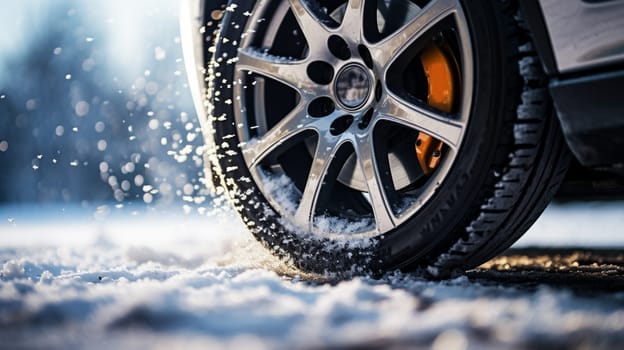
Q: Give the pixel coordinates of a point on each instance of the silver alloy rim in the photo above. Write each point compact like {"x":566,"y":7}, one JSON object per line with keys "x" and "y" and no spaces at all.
{"x":257,"y":143}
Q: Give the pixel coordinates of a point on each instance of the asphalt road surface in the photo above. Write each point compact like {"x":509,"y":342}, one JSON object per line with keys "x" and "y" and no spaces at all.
{"x":586,"y":271}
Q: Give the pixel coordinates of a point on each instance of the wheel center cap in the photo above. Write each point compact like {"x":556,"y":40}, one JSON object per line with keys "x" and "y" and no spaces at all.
{"x":353,"y":86}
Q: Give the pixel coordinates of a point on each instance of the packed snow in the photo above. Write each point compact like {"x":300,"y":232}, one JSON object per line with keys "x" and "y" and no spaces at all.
{"x":123,"y":277}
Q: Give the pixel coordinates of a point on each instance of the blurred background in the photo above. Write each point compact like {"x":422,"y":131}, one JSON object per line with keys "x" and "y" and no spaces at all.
{"x":95,"y":110}
{"x":96,"y":118}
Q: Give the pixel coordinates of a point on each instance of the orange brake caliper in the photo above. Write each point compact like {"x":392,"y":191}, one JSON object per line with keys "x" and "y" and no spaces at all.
{"x":441,"y":94}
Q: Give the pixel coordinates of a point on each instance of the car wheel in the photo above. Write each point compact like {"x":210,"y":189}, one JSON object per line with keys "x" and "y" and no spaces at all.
{"x":356,"y":136}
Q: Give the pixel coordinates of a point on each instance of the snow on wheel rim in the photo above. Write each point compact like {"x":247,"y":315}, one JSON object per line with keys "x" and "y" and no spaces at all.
{"x":346,"y":147}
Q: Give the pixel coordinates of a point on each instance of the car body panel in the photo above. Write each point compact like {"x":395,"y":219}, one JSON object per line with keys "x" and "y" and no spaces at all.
{"x":191,"y":22}
{"x":583,"y":33}
{"x":591,"y":112}
{"x":586,"y":40}
{"x":192,"y":27}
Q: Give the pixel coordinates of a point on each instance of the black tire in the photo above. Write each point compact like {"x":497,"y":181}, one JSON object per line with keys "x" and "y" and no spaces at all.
{"x":510,"y":164}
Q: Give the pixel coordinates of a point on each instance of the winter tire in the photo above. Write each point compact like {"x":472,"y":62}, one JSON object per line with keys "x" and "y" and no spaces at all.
{"x":369,"y":135}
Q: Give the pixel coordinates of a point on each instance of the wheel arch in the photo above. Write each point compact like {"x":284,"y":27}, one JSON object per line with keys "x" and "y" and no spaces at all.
{"x":197,"y":30}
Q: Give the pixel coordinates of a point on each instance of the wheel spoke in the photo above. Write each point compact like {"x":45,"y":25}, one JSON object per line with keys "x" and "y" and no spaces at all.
{"x":376,"y":183}
{"x":437,"y":125}
{"x":321,"y":163}
{"x":391,"y":47}
{"x":312,"y":22}
{"x":353,"y":20}
{"x":291,"y":125}
{"x":289,"y":72}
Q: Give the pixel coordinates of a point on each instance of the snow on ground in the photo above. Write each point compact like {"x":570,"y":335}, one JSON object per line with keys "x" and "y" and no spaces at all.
{"x":71,"y":278}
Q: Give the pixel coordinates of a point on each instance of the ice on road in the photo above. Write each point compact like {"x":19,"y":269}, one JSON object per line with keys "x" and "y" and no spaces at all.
{"x":183,"y":281}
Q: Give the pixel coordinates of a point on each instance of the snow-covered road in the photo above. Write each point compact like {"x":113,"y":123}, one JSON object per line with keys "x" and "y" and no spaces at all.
{"x":181,"y":281}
